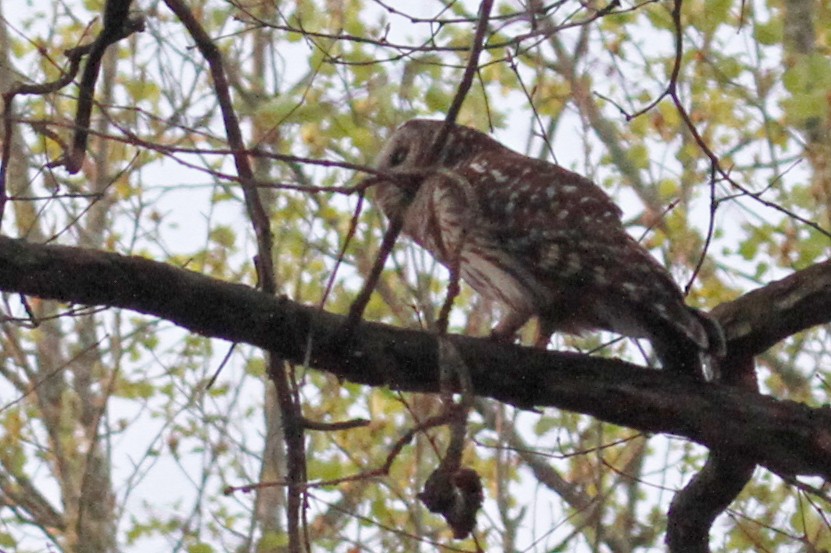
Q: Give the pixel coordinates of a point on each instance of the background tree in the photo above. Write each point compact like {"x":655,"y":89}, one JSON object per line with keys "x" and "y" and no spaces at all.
{"x":226,"y":140}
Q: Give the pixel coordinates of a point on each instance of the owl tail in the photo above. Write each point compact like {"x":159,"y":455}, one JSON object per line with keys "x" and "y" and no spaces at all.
{"x":699,"y":359}
{"x":716,"y":345}
{"x":716,"y":341}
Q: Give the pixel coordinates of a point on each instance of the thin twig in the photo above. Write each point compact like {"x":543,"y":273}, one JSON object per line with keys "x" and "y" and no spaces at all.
{"x":466,"y":82}
{"x":437,"y":420}
{"x":356,"y":310}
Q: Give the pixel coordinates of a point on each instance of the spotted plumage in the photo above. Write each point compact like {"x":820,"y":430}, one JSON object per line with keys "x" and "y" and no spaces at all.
{"x":537,"y":239}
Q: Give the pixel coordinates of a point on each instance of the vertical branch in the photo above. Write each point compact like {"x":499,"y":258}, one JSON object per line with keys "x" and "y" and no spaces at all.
{"x":441,"y":138}
{"x":453,"y":491}
{"x":95,"y":529}
{"x":10,"y":90}
{"x":290,"y":410}
{"x":694,"y":509}
{"x":256,"y":211}
{"x":115,"y":23}
{"x":800,"y":42}
{"x":270,"y":505}
{"x":724,"y":475}
{"x":6,"y":151}
{"x":356,"y":310}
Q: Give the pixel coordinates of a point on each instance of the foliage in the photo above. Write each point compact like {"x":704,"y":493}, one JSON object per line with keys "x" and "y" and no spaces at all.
{"x":103,"y":400}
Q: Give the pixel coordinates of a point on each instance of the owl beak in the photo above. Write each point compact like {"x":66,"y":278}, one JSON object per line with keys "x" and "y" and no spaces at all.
{"x":409,"y":181}
{"x":369,"y":182}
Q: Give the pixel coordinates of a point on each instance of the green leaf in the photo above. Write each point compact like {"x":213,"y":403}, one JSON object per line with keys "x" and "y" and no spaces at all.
{"x":223,"y":235}
{"x":768,"y":33}
{"x":273,"y":542}
{"x":7,"y":540}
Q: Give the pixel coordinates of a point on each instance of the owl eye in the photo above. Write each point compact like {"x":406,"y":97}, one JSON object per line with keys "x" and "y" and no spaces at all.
{"x":398,"y":156}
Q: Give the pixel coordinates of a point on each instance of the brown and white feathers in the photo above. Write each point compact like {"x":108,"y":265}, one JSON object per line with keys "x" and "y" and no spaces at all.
{"x":537,"y":239}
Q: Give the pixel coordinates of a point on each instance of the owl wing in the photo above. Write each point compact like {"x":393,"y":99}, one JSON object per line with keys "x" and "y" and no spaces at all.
{"x":569,"y":233}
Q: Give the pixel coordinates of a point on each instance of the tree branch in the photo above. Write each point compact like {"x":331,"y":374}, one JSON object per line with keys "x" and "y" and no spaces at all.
{"x":753,"y":323}
{"x":290,"y":408}
{"x":117,"y":26}
{"x":768,"y":315}
{"x":784,"y":436}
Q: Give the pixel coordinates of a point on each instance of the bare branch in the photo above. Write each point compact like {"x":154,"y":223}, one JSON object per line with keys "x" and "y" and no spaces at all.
{"x":768,"y":315}
{"x":117,"y":25}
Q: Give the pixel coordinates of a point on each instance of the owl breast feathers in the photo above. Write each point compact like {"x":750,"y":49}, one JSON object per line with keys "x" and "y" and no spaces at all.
{"x":537,"y":239}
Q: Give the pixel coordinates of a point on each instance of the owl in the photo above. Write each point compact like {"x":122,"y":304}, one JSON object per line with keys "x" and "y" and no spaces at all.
{"x":538,"y":241}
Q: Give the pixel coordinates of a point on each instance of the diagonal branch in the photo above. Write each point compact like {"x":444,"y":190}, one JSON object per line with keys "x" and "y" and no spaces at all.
{"x":286,"y":389}
{"x":768,"y":315}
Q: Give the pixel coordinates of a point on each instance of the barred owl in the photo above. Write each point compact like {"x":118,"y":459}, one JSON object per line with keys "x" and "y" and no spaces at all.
{"x":538,"y":240}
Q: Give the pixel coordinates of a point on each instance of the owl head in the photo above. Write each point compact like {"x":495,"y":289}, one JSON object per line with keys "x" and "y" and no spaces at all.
{"x":409,"y":147}
{"x":408,"y":159}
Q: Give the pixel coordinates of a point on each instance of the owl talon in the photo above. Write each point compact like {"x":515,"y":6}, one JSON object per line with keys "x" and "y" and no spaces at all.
{"x":503,"y":337}
{"x":541,"y":342}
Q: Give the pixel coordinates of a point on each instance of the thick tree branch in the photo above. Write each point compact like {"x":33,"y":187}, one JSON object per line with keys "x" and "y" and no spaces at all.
{"x":752,"y":324}
{"x":768,"y":315}
{"x":707,"y":495}
{"x":695,"y":507}
{"x":784,"y":436}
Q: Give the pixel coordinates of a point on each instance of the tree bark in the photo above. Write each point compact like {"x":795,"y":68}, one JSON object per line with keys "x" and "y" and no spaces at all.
{"x":783,"y":436}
